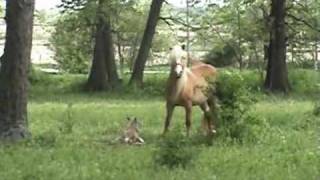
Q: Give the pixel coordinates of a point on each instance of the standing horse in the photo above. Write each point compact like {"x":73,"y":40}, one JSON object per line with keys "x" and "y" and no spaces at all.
{"x":188,"y":87}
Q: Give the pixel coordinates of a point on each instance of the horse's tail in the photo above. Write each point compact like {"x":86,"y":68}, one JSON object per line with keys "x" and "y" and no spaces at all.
{"x":213,"y":103}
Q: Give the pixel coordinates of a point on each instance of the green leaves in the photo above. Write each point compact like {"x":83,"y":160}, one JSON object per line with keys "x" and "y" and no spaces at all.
{"x":72,"y":42}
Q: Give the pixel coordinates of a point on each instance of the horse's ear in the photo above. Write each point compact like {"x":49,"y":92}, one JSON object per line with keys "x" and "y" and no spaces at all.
{"x":183,"y":47}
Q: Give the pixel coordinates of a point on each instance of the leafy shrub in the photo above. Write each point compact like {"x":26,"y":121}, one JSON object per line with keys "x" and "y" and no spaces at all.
{"x":35,"y":76}
{"x":72,"y":43}
{"x":234,"y":118}
{"x":174,"y":151}
{"x":304,"y":81}
{"x":221,"y":57}
{"x":302,"y":63}
{"x":316,"y":109}
{"x":252,"y":80}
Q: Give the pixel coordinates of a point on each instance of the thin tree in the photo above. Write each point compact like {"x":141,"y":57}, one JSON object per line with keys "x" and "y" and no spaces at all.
{"x":139,"y":64}
{"x":14,"y":68}
{"x":277,"y":73}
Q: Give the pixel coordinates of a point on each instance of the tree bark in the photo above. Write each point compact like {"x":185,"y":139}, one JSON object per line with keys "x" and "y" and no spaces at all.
{"x":97,"y":80}
{"x":121,"y":58}
{"x":267,"y":59}
{"x":133,"y":52}
{"x":14,"y":68}
{"x":111,"y":66}
{"x":316,"y":58}
{"x":240,"y":59}
{"x":277,"y":73}
{"x":137,"y":75}
{"x":103,"y":74}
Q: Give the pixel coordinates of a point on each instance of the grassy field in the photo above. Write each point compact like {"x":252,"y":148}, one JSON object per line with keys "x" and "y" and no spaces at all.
{"x":73,"y":138}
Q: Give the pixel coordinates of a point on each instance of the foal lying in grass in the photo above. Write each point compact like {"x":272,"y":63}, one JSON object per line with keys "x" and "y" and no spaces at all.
{"x":130,"y":134}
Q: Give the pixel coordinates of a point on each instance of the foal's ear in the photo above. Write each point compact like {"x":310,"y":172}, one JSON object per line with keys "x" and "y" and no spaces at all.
{"x":183,"y":47}
{"x":135,"y":120}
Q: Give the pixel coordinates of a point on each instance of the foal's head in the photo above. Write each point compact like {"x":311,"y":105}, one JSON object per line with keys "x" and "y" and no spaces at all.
{"x":178,"y":60}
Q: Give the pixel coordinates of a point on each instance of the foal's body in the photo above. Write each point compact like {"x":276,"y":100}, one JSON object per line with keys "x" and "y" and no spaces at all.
{"x":188,"y":87}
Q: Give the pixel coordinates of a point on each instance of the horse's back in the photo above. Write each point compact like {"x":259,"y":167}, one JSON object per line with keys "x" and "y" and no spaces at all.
{"x":204,"y":70}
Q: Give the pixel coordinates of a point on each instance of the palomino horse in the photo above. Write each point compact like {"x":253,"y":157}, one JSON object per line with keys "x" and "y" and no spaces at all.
{"x":188,"y":87}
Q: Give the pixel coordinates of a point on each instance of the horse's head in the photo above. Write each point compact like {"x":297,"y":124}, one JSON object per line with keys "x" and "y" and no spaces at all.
{"x":178,"y":59}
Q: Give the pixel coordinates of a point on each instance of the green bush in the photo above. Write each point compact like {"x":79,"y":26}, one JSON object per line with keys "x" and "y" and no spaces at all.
{"x":303,"y":63}
{"x":221,"y":57}
{"x":72,"y":43}
{"x":316,"y":109}
{"x":174,"y":151}
{"x":235,"y":101}
{"x":35,"y":76}
{"x":304,"y":81}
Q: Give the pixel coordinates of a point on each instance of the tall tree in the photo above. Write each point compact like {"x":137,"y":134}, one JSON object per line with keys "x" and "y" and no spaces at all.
{"x":139,"y":64}
{"x":14,"y":68}
{"x":98,"y":74}
{"x":103,"y":72}
{"x":277,"y":73}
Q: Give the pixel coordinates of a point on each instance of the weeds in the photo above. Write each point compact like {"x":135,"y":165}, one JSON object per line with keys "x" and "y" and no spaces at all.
{"x":174,"y":150}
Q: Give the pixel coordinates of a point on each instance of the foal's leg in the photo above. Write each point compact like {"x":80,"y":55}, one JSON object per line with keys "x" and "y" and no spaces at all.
{"x":209,"y":117}
{"x":170,"y":109}
{"x":188,"y":108}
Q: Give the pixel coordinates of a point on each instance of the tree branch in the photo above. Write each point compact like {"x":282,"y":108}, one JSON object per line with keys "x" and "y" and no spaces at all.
{"x":311,"y":26}
{"x":181,"y":22}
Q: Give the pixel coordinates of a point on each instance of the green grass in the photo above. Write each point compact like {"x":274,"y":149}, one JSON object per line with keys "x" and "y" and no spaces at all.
{"x":73,"y":133}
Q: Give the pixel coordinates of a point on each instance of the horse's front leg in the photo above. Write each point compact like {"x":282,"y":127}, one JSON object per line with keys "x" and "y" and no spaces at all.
{"x":188,"y":108}
{"x":170,"y":109}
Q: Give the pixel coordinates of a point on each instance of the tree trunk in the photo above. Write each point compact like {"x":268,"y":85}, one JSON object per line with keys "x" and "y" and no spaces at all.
{"x":277,"y":73}
{"x":316,"y":58}
{"x":240,"y":59}
{"x":14,"y":68}
{"x":111,"y":66}
{"x":133,"y":52}
{"x":137,"y":75}
{"x":121,"y":58}
{"x":267,"y":60}
{"x":103,"y":74}
{"x":97,"y":80}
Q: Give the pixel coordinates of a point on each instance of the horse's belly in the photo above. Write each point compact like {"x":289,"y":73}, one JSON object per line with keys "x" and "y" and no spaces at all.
{"x":195,"y":100}
{"x":199,"y":99}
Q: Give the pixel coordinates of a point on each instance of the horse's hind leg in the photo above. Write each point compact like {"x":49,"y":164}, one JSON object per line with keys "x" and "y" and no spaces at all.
{"x":188,"y":109}
{"x":208,"y":116}
{"x":170,"y":109}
